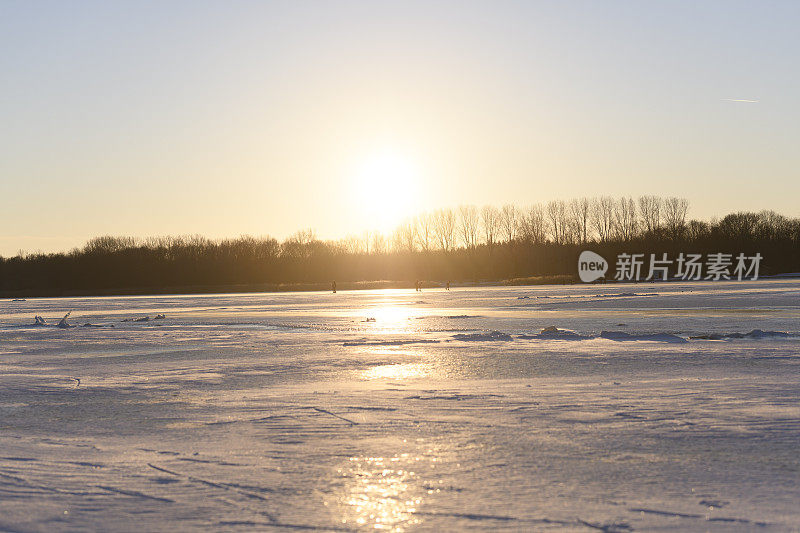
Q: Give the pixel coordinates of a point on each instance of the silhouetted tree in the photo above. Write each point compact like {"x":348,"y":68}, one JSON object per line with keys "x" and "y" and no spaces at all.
{"x":509,"y":221}
{"x":675,"y":210}
{"x":109,"y":264}
{"x":490,"y":217}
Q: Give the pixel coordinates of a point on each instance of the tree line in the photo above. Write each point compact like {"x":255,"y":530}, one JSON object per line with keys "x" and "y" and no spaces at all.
{"x":577,"y":221}
{"x":468,"y":244}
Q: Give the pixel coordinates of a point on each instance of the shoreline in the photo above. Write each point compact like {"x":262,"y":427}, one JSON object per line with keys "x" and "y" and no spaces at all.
{"x":555,"y":280}
{"x":280,"y":287}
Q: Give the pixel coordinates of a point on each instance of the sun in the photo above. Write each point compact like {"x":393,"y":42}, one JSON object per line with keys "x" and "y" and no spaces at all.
{"x":386,"y":187}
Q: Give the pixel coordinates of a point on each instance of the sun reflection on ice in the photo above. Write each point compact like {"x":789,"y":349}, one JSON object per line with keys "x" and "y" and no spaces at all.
{"x":397,"y":372}
{"x":382,"y":493}
{"x":391,"y":318}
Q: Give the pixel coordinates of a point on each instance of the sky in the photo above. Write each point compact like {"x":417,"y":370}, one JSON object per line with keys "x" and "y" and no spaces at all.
{"x":263,"y":118}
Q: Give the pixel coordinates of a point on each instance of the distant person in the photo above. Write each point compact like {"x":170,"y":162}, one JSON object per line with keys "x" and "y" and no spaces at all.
{"x":416,"y":286}
{"x":447,"y":287}
{"x":333,"y":286}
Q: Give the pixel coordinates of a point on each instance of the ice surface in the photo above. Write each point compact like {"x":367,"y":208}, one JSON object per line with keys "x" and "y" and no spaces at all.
{"x":483,"y":337}
{"x":659,"y":406}
{"x":657,"y":337}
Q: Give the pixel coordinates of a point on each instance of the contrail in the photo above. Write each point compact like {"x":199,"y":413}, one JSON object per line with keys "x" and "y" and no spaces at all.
{"x":743,"y":100}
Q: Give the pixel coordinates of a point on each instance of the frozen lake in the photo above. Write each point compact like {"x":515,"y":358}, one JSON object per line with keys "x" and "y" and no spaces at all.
{"x":659,"y":407}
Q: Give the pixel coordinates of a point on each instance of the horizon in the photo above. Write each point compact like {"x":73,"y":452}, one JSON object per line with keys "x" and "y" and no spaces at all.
{"x":254,"y":119}
{"x":386,"y":237}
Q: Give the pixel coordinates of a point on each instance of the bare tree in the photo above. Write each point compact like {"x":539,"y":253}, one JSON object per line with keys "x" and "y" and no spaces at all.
{"x":532,"y":225}
{"x":579,"y":212}
{"x":738,"y":226}
{"x":303,"y":236}
{"x":445,"y":227}
{"x":404,"y":237}
{"x":509,"y":221}
{"x":366,"y":241}
{"x":469,"y":220}
{"x":675,"y":210}
{"x":697,"y":229}
{"x":352,"y":245}
{"x":379,"y":244}
{"x":602,"y":217}
{"x":557,"y":218}
{"x":625,"y":221}
{"x":490,"y":217}
{"x":110,"y":244}
{"x":650,"y":211}
{"x":773,"y":226}
{"x":425,"y":233}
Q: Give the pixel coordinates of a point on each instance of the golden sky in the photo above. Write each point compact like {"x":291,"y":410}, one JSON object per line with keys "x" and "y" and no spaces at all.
{"x":229,"y":118}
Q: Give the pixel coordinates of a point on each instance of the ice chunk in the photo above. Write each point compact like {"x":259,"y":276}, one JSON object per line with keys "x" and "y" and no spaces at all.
{"x":754,"y":334}
{"x":552,"y":332}
{"x":491,"y":336}
{"x":657,"y":337}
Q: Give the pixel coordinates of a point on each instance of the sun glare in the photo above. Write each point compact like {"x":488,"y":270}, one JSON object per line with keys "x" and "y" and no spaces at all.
{"x":386,"y":187}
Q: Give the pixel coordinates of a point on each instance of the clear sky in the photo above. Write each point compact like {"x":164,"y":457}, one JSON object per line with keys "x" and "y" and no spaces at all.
{"x":244,"y":117}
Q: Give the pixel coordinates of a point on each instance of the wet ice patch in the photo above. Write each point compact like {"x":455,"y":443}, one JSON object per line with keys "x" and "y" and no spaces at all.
{"x":624,"y":294}
{"x":397,"y":342}
{"x":449,"y":317}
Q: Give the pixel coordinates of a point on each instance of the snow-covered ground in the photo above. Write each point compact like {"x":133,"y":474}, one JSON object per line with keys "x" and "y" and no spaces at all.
{"x":654,"y":407}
